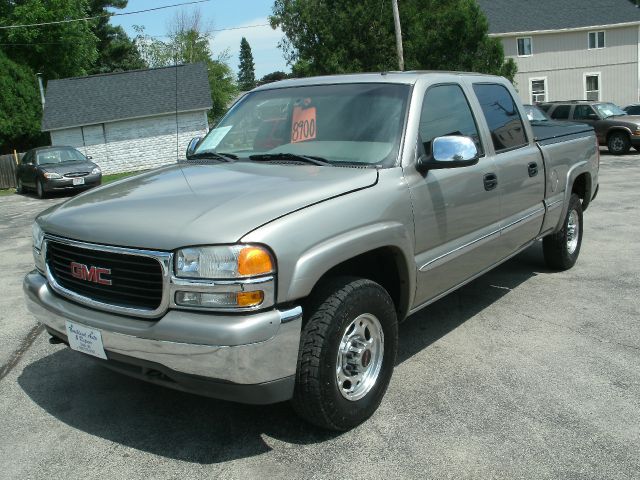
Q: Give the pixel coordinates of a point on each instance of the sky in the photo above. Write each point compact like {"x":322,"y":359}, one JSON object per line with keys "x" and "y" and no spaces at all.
{"x":218,"y":14}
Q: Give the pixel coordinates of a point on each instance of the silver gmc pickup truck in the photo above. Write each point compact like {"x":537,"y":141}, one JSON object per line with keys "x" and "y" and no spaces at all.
{"x":277,"y":260}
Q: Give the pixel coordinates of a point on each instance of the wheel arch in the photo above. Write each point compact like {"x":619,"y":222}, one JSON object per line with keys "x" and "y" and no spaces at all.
{"x":379,"y":252}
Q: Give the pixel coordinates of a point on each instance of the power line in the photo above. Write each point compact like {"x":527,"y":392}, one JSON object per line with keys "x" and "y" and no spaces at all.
{"x":57,"y":22}
{"x":149,"y":36}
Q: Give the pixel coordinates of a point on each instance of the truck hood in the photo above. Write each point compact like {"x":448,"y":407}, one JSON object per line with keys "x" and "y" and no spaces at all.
{"x":195,"y":204}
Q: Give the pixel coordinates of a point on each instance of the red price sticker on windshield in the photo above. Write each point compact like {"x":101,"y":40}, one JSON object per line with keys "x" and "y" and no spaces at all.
{"x":303,"y":127}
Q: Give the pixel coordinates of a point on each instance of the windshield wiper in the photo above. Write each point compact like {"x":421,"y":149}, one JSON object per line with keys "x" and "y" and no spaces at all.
{"x":227,"y":157}
{"x":267,"y":157}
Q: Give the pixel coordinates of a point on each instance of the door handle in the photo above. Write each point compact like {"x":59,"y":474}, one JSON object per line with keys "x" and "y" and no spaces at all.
{"x":533,"y":169}
{"x":490,"y":181}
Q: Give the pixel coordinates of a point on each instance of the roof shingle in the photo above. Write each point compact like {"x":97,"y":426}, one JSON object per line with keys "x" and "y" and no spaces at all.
{"x":116,"y":96}
{"x":507,"y":16}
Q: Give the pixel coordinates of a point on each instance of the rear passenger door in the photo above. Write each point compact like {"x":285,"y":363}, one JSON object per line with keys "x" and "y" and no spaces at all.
{"x":519,"y":167}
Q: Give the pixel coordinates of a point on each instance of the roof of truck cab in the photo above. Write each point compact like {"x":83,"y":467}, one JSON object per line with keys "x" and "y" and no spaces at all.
{"x":407,"y":78}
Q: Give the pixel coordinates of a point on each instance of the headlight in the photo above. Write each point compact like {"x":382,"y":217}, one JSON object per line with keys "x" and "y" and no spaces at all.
{"x":223,"y":262}
{"x":224,"y":277}
{"x":38,"y":236}
{"x":52,"y":175}
{"x":96,"y":171}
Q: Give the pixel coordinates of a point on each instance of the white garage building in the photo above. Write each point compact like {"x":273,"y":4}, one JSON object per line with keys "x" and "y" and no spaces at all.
{"x":130,"y":121}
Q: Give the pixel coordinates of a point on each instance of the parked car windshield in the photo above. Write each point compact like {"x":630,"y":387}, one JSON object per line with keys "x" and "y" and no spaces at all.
{"x":341,"y":123}
{"x":534,"y":114}
{"x":608,"y":110}
{"x":59,"y":155}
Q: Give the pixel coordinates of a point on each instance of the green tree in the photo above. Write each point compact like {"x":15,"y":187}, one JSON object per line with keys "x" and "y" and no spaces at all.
{"x":273,"y":77}
{"x":57,"y":51}
{"x":340,"y":36}
{"x":189,"y":42}
{"x":116,"y":51}
{"x":20,"y":106}
{"x":247,"y":72}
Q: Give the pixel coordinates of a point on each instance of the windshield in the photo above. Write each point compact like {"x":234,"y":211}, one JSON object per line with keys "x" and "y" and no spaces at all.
{"x":534,"y":114}
{"x":61,"y":155}
{"x":348,"y":123}
{"x":608,"y":109}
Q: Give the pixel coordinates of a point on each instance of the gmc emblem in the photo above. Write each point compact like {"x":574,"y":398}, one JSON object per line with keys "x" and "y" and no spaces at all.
{"x":90,"y":274}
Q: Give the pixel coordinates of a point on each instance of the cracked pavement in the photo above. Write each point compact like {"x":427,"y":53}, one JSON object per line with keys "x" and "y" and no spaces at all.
{"x":523,"y":373}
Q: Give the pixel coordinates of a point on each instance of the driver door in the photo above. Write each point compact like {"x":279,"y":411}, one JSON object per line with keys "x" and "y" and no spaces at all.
{"x":456,"y":210}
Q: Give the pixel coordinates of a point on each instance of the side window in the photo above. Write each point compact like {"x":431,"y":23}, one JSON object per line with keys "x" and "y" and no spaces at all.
{"x":561,"y":112}
{"x":584,"y":112}
{"x":445,"y":111}
{"x":27,"y":159}
{"x":545,"y":107}
{"x":502,"y":115}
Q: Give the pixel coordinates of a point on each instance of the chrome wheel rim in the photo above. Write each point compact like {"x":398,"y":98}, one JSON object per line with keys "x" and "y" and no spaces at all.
{"x":573,"y":231}
{"x":360,"y":356}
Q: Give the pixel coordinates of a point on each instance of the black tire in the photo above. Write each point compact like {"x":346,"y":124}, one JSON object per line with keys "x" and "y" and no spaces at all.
{"x":618,"y":143}
{"x":19,"y":187}
{"x":637,"y":148}
{"x":329,"y":312}
{"x":557,"y":252}
{"x":40,"y":189}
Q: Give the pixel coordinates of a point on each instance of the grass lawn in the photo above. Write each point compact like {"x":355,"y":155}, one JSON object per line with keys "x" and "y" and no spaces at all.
{"x":117,"y":176}
{"x":105,"y":179}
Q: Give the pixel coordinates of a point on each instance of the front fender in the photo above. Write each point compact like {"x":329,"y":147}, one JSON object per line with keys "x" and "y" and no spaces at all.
{"x":321,"y":258}
{"x":307,"y":243}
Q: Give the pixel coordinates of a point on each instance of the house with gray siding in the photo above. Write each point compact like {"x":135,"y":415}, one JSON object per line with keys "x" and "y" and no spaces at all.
{"x":130,"y":121}
{"x":570,"y":49}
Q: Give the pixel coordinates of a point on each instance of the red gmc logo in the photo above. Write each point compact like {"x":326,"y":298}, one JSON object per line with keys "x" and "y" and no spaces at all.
{"x":90,"y":274}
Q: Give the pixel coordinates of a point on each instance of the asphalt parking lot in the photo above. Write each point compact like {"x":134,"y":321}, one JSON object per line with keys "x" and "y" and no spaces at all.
{"x":523,"y":373}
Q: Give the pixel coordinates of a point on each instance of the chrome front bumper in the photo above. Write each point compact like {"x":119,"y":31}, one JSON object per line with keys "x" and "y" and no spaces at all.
{"x":246,"y":350}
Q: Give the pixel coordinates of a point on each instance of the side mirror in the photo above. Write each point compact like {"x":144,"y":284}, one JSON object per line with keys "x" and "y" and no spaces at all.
{"x":89,"y":157}
{"x":193,"y":144}
{"x":592,"y":116}
{"x":452,"y":151}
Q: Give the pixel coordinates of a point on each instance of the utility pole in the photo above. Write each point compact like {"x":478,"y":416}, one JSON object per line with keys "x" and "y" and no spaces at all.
{"x":396,"y":21}
{"x":39,"y":75}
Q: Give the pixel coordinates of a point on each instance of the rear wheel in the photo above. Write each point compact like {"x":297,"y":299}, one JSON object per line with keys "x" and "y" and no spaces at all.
{"x":637,"y":148}
{"x":619,"y":143}
{"x":347,"y":353}
{"x":561,"y":249}
{"x":19,"y":186}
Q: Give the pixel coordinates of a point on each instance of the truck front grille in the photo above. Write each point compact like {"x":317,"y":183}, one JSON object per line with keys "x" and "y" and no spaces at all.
{"x":119,"y":279}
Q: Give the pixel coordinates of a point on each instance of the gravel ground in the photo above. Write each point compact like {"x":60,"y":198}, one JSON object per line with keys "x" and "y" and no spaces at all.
{"x":523,"y":373}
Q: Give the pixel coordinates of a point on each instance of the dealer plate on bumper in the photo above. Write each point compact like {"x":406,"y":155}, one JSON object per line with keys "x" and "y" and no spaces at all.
{"x":78,"y":181}
{"x":86,"y":340}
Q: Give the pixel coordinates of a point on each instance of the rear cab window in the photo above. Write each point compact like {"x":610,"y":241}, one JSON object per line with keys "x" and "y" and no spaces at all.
{"x":561,"y":112}
{"x":502,"y":116}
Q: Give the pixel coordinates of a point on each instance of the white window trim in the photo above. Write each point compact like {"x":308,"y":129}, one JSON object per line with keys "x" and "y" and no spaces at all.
{"x":596,"y":33}
{"x":518,"y":50}
{"x":584,"y":83}
{"x":546,"y":88}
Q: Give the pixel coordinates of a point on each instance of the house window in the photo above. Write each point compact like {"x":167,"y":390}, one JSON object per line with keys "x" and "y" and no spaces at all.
{"x":538,"y":90}
{"x":596,"y":39}
{"x":524,"y":47}
{"x":592,"y":86}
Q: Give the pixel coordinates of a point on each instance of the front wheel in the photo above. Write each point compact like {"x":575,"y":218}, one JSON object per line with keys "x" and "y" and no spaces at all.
{"x":561,"y":249}
{"x":347,"y":353}
{"x":40,"y":189}
{"x":619,"y":143}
